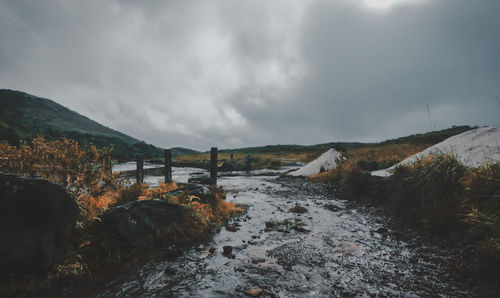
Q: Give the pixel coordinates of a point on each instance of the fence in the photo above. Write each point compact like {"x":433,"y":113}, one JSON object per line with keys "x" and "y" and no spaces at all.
{"x":168,"y":167}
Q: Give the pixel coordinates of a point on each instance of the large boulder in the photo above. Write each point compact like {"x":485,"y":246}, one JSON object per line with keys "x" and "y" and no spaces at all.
{"x":139,"y":222}
{"x":36,"y":221}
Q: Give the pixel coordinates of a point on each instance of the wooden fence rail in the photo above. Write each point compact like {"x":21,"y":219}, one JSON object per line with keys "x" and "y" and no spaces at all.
{"x":168,"y":167}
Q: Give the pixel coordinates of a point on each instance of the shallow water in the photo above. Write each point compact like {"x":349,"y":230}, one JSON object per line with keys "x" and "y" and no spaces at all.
{"x":340,"y":251}
{"x":179,"y":174}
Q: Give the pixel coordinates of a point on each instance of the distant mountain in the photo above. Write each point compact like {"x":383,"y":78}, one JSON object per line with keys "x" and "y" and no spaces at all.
{"x":177,"y":151}
{"x":23,"y":116}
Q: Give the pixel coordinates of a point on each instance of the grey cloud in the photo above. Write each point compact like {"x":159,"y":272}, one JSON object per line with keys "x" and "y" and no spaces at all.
{"x":240,"y":73}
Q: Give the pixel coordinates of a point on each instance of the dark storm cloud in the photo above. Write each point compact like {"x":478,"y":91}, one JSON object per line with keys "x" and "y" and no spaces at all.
{"x":371,"y":74}
{"x":238,"y":73}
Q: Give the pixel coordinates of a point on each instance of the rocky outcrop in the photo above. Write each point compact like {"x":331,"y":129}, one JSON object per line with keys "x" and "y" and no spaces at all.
{"x":191,"y":189}
{"x":36,"y":221}
{"x":139,"y":222}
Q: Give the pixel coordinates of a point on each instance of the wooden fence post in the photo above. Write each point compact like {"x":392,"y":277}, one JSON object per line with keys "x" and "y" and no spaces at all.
{"x":140,"y":169}
{"x":213,"y":166}
{"x":168,"y":165}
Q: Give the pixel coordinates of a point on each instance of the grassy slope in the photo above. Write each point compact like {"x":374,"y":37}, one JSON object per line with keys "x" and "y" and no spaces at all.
{"x":374,"y":155}
{"x":23,"y":116}
{"x":382,"y":155}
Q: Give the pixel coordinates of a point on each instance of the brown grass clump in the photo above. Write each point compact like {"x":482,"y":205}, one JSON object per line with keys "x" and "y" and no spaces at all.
{"x":298,"y":209}
{"x":209,"y":216}
{"x":93,"y":206}
{"x":80,"y":170}
{"x":369,"y":158}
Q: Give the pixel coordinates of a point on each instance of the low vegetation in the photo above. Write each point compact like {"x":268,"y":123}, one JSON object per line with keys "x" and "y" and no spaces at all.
{"x":85,"y":173}
{"x":369,"y":158}
{"x":436,"y":194}
{"x":258,"y":160}
{"x":24,"y":116}
{"x":456,"y":203}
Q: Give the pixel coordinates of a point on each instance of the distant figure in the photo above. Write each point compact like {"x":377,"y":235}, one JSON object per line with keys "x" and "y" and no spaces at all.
{"x":249,"y":162}
{"x":232,"y":157}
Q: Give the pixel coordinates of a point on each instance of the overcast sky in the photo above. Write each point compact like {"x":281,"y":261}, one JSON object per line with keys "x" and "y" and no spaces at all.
{"x":243,"y":73}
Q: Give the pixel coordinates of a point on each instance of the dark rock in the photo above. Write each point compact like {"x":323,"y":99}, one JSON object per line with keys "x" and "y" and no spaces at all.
{"x":36,"y":222}
{"x":414,"y":260}
{"x":200,"y":179}
{"x":232,"y":228}
{"x":139,"y":222}
{"x":382,"y":231}
{"x":332,"y":207}
{"x":226,"y":167}
{"x":228,"y":249}
{"x":298,"y":209}
{"x":270,"y":224}
{"x":258,"y":260}
{"x":170,"y":271}
{"x":198,"y":190}
{"x":300,"y":229}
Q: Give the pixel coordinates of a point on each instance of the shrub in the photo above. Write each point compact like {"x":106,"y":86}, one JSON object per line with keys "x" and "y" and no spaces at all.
{"x":130,"y":193}
{"x":80,"y":170}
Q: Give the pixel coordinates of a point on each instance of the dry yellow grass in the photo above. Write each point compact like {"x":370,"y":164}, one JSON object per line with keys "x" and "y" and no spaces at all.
{"x":382,"y":155}
{"x":259,"y":160}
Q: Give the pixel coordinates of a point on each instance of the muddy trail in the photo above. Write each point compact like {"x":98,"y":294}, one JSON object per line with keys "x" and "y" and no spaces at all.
{"x":331,"y":249}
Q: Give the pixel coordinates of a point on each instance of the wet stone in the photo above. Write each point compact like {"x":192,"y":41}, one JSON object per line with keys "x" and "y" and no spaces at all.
{"x":232,"y":228}
{"x":227,"y":250}
{"x":258,"y":260}
{"x":332,"y":207}
{"x":382,"y":231}
{"x":255,"y":292}
{"x":170,"y":271}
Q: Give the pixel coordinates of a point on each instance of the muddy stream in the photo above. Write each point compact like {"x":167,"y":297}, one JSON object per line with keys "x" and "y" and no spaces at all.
{"x":333,"y":249}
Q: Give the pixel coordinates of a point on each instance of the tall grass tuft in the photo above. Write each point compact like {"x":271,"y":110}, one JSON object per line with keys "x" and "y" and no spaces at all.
{"x":431,"y":181}
{"x":429,"y":190}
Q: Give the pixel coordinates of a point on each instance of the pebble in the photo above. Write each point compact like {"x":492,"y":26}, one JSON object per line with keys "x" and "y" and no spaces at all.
{"x":254,"y":292}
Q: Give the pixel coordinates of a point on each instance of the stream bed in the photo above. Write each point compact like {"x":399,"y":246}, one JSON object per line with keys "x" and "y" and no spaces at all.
{"x":332,"y":249}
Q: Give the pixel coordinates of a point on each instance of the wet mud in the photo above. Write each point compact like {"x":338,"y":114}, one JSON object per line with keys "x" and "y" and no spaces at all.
{"x":333,"y":248}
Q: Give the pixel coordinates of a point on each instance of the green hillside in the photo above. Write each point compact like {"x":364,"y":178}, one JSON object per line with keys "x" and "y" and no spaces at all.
{"x":432,"y":137}
{"x":23,"y":116}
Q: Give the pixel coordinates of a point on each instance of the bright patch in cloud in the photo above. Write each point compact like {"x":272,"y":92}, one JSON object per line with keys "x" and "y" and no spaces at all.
{"x":385,"y":4}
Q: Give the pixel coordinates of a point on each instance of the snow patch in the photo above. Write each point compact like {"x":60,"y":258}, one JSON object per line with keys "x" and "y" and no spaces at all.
{"x":473,"y":148}
{"x":325,"y":162}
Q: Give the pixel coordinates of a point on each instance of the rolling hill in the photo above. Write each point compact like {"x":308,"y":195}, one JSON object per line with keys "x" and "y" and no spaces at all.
{"x":23,"y":116}
{"x":428,"y":138}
